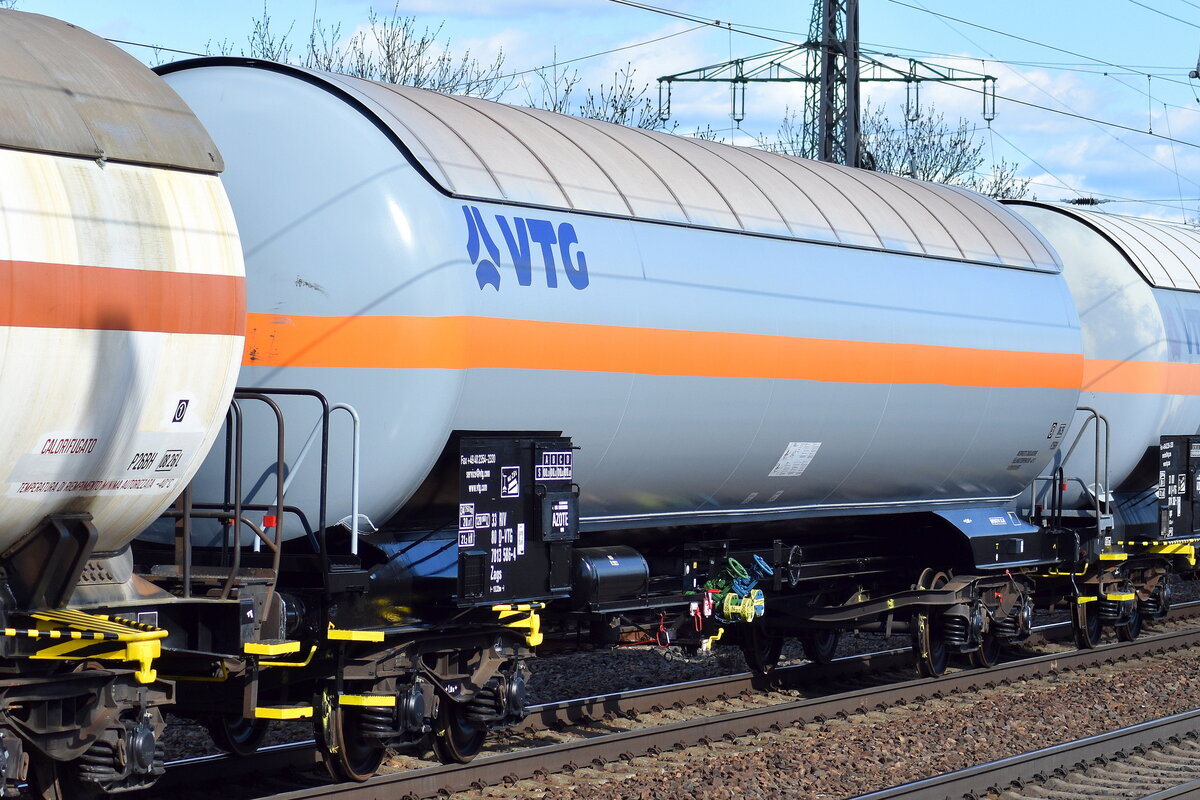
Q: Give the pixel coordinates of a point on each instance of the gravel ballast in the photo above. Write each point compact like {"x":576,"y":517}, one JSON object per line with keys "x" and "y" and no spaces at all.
{"x":847,"y":757}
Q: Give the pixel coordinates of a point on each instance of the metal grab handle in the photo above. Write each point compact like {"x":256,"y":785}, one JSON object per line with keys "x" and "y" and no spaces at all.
{"x":356,"y":423}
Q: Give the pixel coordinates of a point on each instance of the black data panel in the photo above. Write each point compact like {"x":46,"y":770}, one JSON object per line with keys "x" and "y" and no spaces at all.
{"x":518,"y":518}
{"x":1179,"y":486}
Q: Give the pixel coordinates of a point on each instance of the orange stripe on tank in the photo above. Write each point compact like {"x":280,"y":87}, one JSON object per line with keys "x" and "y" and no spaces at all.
{"x":404,"y":342}
{"x":1141,"y":377}
{"x":106,"y":298}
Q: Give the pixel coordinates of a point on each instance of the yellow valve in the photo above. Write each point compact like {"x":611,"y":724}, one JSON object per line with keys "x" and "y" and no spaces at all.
{"x":706,"y":645}
{"x":527,"y":617}
{"x":735,"y":608}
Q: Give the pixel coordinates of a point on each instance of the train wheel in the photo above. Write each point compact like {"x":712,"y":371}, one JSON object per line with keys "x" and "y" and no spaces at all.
{"x":988,"y":653}
{"x":455,"y":739}
{"x":55,"y":780}
{"x":45,"y":779}
{"x":349,"y":756}
{"x":929,"y":641}
{"x":235,"y":734}
{"x":1132,"y":629}
{"x":1085,"y":625}
{"x":820,"y":646}
{"x":760,"y":648}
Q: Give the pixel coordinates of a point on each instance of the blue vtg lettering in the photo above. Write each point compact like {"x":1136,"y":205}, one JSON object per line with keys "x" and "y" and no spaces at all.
{"x":524,"y":237}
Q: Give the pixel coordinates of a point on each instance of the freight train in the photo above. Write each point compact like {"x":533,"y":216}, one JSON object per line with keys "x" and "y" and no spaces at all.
{"x":332,"y":399}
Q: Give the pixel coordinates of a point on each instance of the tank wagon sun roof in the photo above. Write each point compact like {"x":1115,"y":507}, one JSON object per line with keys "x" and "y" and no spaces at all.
{"x":481,"y":150}
{"x":69,"y":92}
{"x":1160,"y":251}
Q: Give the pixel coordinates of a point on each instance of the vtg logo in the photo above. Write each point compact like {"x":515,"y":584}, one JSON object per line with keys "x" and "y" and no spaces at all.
{"x":517,"y":235}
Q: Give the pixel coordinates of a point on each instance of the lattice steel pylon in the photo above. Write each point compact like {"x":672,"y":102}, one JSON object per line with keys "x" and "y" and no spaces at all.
{"x":835,"y":106}
{"x":831,"y":65}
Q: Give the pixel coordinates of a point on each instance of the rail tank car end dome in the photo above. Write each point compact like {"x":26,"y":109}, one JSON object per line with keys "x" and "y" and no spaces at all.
{"x":120,"y":343}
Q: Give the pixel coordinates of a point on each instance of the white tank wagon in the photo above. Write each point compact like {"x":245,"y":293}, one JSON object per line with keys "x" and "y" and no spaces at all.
{"x":1136,"y":283}
{"x":617,"y":380}
{"x":120,"y":260}
{"x":121,"y":333}
{"x":725,"y":334}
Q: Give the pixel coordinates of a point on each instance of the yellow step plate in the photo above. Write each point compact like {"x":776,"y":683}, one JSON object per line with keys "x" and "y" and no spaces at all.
{"x":368,"y":700}
{"x":275,"y":647}
{"x":283,"y":712}
{"x":344,"y":635}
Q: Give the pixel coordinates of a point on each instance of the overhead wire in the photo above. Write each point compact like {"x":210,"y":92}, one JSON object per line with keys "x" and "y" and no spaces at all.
{"x":998,"y":32}
{"x":157,"y":47}
{"x":1101,"y":124}
{"x":1064,"y":184}
{"x":645,"y":43}
{"x":655,"y":40}
{"x":1175,"y":163}
{"x":1165,"y":14}
{"x":701,"y":22}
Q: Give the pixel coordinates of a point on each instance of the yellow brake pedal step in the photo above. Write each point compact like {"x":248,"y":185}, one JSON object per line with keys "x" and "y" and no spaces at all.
{"x":271,"y":647}
{"x":346,"y":635}
{"x":283,"y":712}
{"x":367,"y":700}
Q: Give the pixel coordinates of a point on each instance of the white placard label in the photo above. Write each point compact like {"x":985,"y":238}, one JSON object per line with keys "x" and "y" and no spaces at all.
{"x":795,"y":459}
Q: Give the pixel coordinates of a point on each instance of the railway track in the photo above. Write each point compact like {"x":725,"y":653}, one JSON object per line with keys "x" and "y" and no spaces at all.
{"x":1159,"y":759}
{"x":591,"y":746}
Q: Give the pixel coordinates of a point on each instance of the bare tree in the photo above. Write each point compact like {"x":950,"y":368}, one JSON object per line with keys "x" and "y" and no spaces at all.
{"x":794,"y":138}
{"x":267,"y":44}
{"x":927,"y":148}
{"x":554,"y":86}
{"x":8,"y":3}
{"x":1002,"y":182}
{"x":391,"y":49}
{"x":707,"y":133}
{"x":624,"y":101}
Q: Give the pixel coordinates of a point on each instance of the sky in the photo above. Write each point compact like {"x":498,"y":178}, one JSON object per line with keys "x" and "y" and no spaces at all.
{"x":1094,"y":98}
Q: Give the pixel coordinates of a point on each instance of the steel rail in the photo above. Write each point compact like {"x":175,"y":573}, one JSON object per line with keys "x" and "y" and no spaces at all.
{"x":999,"y":775}
{"x":430,"y":782}
{"x":586,"y":709}
{"x":302,"y":755}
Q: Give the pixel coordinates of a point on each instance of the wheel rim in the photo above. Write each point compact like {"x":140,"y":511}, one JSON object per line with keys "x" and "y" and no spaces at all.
{"x":820,"y":646}
{"x":1085,"y":624}
{"x":46,"y":779}
{"x":988,"y":653}
{"x":59,"y":780}
{"x":348,"y":755}
{"x":929,"y":643}
{"x":455,"y":739}
{"x":1132,"y":629}
{"x":237,"y":735}
{"x":761,"y":649}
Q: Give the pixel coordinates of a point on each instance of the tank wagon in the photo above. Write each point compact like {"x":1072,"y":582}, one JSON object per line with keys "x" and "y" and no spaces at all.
{"x":873,"y":399}
{"x":507,"y":375}
{"x":1128,"y":476}
{"x":121,"y":334}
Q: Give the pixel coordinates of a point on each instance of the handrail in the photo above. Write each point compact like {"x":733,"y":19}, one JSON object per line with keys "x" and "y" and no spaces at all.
{"x":322,"y":546}
{"x":356,"y":424}
{"x":231,"y":511}
{"x":280,"y":432}
{"x":1100,"y":490}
